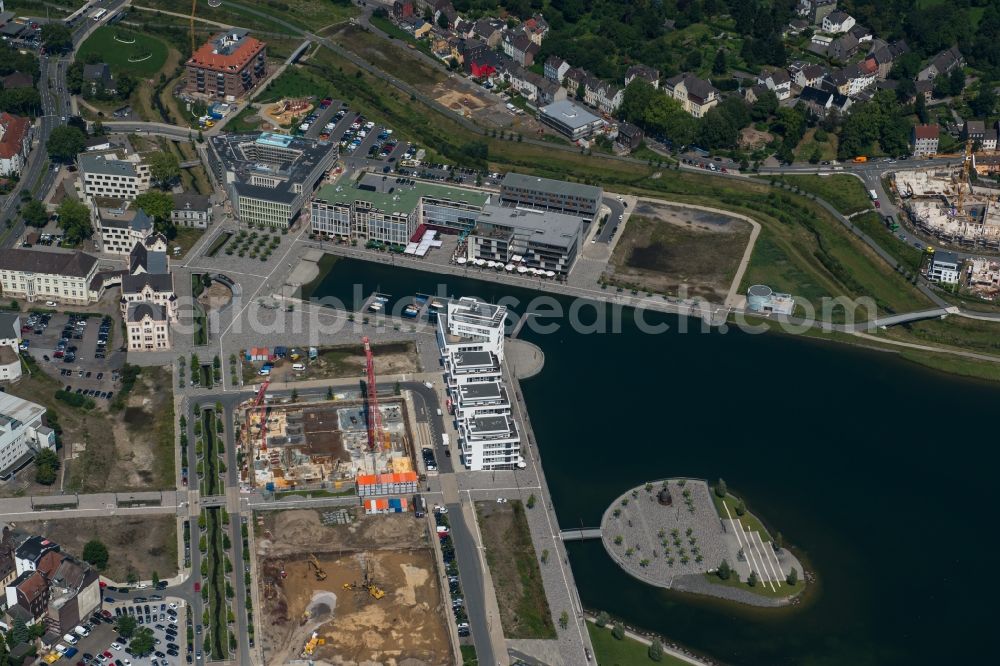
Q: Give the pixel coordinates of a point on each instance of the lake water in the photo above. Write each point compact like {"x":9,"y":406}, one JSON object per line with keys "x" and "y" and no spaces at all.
{"x":880,"y":473}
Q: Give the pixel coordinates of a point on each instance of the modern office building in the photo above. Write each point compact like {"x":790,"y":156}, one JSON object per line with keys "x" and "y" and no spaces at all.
{"x":269,"y":177}
{"x":113,"y":175}
{"x":64,"y":277}
{"x":570,"y":119}
{"x":550,"y":195}
{"x":22,"y":433}
{"x":543,"y":240}
{"x":228,"y":66}
{"x":390,"y":209}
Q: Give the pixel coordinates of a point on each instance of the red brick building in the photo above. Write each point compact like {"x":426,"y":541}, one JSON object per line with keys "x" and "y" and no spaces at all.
{"x":230,"y":64}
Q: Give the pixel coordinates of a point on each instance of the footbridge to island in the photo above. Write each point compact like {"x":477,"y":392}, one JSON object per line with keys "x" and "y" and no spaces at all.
{"x":580,"y":534}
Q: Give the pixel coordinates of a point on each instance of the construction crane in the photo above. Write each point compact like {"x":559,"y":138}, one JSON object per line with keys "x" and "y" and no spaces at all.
{"x":376,"y":435}
{"x":317,"y":569}
{"x":194,"y":8}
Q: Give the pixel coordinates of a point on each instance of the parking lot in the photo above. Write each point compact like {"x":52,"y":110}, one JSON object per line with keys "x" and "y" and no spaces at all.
{"x":81,"y":351}
{"x":96,"y":642}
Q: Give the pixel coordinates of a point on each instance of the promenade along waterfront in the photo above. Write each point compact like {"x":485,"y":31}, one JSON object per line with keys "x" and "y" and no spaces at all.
{"x":880,"y":471}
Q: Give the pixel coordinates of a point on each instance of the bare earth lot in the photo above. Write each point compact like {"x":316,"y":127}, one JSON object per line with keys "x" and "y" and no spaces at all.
{"x":406,"y":626}
{"x":142,"y":544}
{"x":104,"y":450}
{"x":391,"y":358}
{"x":666,"y":247}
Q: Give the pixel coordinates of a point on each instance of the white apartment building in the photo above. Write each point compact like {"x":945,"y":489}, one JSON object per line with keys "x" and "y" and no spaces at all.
{"x":22,"y":433}
{"x":470,"y":324}
{"x":945,"y":267}
{"x":64,"y":277}
{"x":191,"y":210}
{"x":470,"y":337}
{"x":116,"y":175}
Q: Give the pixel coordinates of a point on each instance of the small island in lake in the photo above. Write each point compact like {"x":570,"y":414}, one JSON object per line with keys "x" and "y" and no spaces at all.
{"x":680,"y":534}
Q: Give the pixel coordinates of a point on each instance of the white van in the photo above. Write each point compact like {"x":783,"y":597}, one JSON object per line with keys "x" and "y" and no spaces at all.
{"x":71,"y":639}
{"x":61,"y":649}
{"x":298,"y":367}
{"x":81,"y":631}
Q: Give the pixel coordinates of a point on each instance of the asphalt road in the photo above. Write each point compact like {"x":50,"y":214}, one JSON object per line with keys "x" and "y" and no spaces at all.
{"x":617,"y":211}
{"x":473,"y":584}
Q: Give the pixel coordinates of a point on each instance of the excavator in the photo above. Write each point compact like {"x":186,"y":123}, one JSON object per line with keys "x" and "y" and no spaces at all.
{"x":313,"y":643}
{"x":369,"y":580}
{"x":317,"y":569}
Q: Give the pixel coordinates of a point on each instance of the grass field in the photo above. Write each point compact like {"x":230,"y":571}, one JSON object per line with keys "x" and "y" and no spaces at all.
{"x":469,"y":657}
{"x":294,"y":82}
{"x":873,"y":225}
{"x":230,"y":13}
{"x":845,"y":193}
{"x":760,"y":588}
{"x":808,"y":144}
{"x":386,"y":55}
{"x":954,"y":332}
{"x":609,"y":651}
{"x":524,"y":610}
{"x":107,"y":44}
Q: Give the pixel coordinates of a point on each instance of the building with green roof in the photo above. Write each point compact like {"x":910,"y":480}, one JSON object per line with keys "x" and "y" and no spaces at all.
{"x":390,"y":209}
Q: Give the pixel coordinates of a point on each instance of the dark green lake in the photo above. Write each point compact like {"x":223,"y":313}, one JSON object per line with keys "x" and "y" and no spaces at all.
{"x":879,"y":472}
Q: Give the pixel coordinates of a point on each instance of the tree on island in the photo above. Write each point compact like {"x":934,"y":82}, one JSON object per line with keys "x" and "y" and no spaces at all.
{"x":752,"y":580}
{"x":724,"y":571}
{"x":793,"y":577}
{"x":779,"y":542}
{"x":618,"y":631}
{"x":602,"y":619}
{"x":741,"y":508}
{"x":720,"y":488}
{"x":656,"y":650}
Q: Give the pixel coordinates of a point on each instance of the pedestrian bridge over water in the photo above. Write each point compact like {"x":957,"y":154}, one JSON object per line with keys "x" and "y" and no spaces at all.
{"x":580,"y":534}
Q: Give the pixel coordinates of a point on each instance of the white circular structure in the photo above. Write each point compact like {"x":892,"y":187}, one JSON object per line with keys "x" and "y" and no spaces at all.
{"x":758,"y":296}
{"x":214,"y":3}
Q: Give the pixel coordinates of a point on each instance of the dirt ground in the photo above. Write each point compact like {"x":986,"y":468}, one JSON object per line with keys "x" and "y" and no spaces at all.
{"x":216,"y":296}
{"x":142,"y":544}
{"x":344,"y":361}
{"x":137,"y":456}
{"x":666,"y":249}
{"x":753,"y":138}
{"x":407,"y":626}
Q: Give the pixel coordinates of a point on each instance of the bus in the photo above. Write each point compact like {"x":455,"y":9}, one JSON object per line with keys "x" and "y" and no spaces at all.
{"x":99,"y":14}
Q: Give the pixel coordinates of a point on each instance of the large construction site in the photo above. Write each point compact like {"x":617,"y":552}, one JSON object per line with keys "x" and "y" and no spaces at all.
{"x":341,"y":587}
{"x":941,"y":201}
{"x":351,"y":437}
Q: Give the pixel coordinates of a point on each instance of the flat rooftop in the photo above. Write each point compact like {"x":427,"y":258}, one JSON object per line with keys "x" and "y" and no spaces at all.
{"x":14,"y":409}
{"x":520,"y":181}
{"x":397,"y":194}
{"x":535,"y":226}
{"x":475,"y":359}
{"x":569,"y":114}
{"x":482,"y":391}
{"x":286,"y":160}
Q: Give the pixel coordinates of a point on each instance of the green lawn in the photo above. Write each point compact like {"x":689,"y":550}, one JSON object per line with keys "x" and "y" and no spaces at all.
{"x":806,"y":147}
{"x":295,"y":82}
{"x":609,"y":651}
{"x":469,"y":657}
{"x":143,"y":59}
{"x":185,"y":239}
{"x":751,"y":521}
{"x":845,"y":193}
{"x":955,"y":332}
{"x":874,"y":225}
{"x":510,"y":553}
